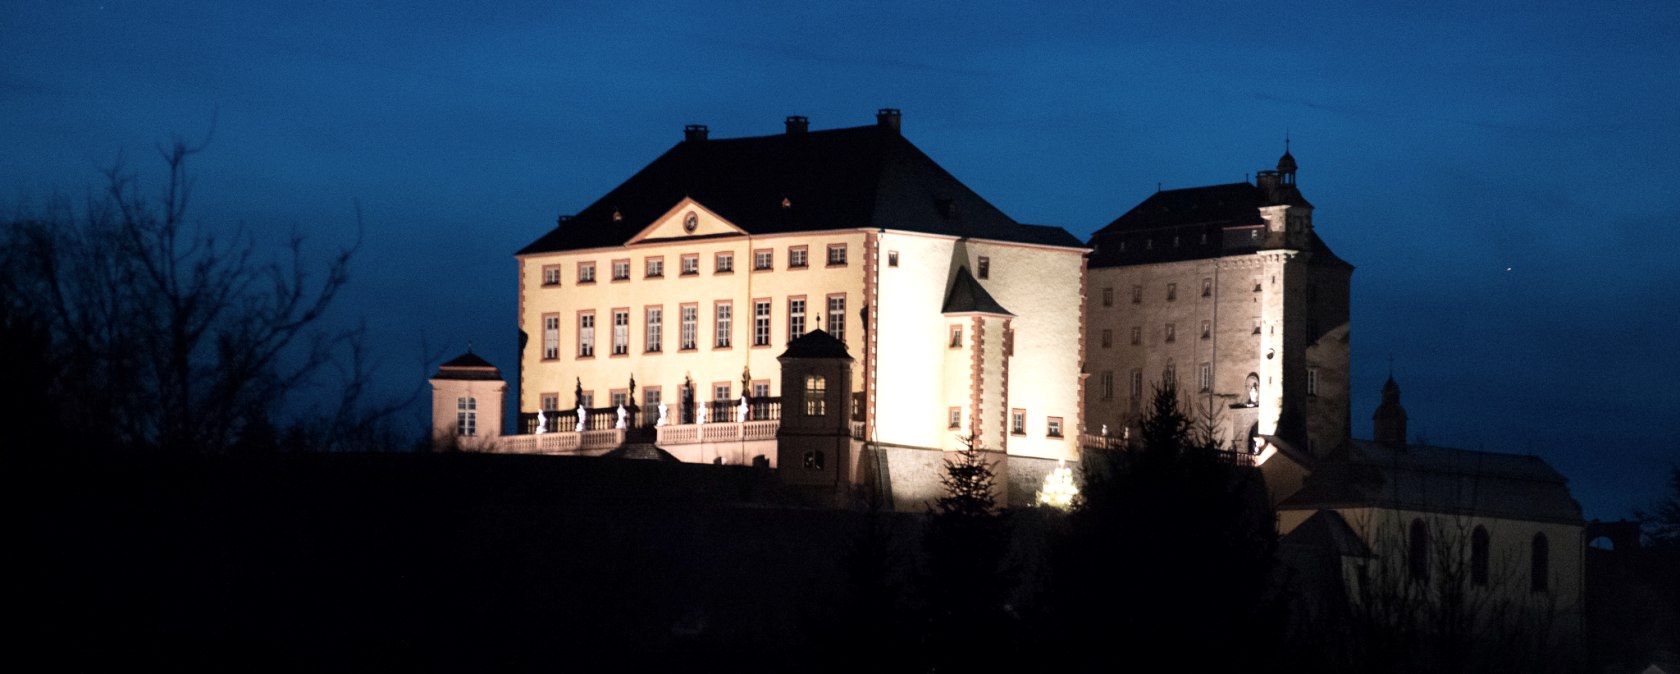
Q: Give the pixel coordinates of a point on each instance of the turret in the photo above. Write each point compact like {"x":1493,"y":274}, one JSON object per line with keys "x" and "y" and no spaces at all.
{"x":467,"y":395}
{"x":1388,"y":424}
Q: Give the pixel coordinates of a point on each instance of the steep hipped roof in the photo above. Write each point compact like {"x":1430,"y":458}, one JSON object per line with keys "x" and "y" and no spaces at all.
{"x":816,"y":344}
{"x":1190,"y":223}
{"x":468,"y":366}
{"x":1328,"y":531}
{"x":1440,"y":480}
{"x":867,"y":176}
{"x":969,"y":297}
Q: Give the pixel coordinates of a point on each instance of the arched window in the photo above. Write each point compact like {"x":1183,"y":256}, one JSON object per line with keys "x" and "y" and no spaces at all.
{"x":1479,"y":556}
{"x":816,"y":392}
{"x":1539,"y":568}
{"x":1417,"y":559}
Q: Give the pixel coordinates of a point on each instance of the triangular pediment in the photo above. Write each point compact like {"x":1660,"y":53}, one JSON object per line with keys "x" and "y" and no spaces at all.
{"x":685,"y":220}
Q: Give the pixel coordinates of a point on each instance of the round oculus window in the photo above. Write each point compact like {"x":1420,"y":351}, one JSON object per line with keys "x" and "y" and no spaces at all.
{"x":691,"y":222}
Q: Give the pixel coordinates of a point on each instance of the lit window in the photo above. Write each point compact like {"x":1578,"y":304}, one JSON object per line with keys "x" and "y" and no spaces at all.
{"x":816,"y":392}
{"x":813,"y":460}
{"x":797,"y":257}
{"x":551,"y":336}
{"x":723,"y":325}
{"x":724,"y":263}
{"x":1107,"y":338}
{"x":892,"y":258}
{"x":586,"y":272}
{"x":796,"y":318}
{"x":953,"y":418}
{"x":551,"y":275}
{"x":1172,"y":292}
{"x":690,"y":327}
{"x":761,"y":323}
{"x":956,"y":336}
{"x":655,"y":267}
{"x":620,"y":332}
{"x":1137,"y":294}
{"x":1017,"y":422}
{"x":1053,"y":427}
{"x":621,"y":270}
{"x":1108,"y":297}
{"x":762,"y":259}
{"x":985,"y":267}
{"x":586,"y":335}
{"x":1172,"y":332}
{"x":837,"y":316}
{"x":466,"y":417}
{"x":690,"y":265}
{"x":655,"y":329}
{"x":836,"y":254}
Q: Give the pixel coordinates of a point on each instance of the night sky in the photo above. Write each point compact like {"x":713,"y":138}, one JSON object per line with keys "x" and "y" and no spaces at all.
{"x":1504,"y":176}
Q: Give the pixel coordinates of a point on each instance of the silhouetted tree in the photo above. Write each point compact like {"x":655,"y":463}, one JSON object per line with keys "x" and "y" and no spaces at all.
{"x":1661,"y":524}
{"x":966,"y":582}
{"x":1169,"y":555}
{"x":164,"y":335}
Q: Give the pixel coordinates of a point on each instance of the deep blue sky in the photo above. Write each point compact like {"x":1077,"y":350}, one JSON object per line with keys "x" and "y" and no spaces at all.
{"x":1505,"y":176}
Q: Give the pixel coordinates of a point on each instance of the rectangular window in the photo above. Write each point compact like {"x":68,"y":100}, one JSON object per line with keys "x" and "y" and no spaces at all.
{"x":621,"y":270}
{"x":762,"y":259}
{"x":1137,"y":383}
{"x":956,"y":336}
{"x":1053,"y":427}
{"x":985,"y":267}
{"x":1107,"y":338}
{"x":1108,"y":297}
{"x":796,"y":318}
{"x":1172,"y":292}
{"x":1206,"y":379}
{"x":1137,"y":334}
{"x":816,"y":395}
{"x":1172,"y":332}
{"x":1207,"y":287}
{"x":551,"y":336}
{"x":1312,"y":381}
{"x":798,"y":257}
{"x":550,"y":402}
{"x":690,"y":327}
{"x":1017,"y":421}
{"x":466,"y":417}
{"x":586,"y":272}
{"x":953,"y":417}
{"x":836,"y":255}
{"x":1137,"y":294}
{"x":655,"y":329}
{"x":761,"y":388}
{"x":620,"y":332}
{"x":1207,"y":329}
{"x":551,"y":275}
{"x":1256,"y":326}
{"x":837,"y":316}
{"x":1107,"y":385}
{"x":761,"y":322}
{"x":690,"y":265}
{"x":723,"y":263}
{"x":586,"y":334}
{"x":651,"y":397}
{"x":723,"y":325}
{"x":587,"y":399}
{"x":655,"y":267}
{"x":619,"y":397}
{"x":892,"y":258}
{"x":720,"y":392}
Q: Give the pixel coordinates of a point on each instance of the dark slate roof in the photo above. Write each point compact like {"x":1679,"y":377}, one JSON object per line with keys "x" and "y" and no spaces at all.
{"x":816,"y":344}
{"x":1438,"y":479}
{"x":468,"y":366}
{"x":968,"y":296}
{"x":1326,"y":530}
{"x":867,"y":176}
{"x":1199,"y":218}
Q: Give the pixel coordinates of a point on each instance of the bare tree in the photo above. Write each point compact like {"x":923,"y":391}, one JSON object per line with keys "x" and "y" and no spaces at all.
{"x":166,"y":335}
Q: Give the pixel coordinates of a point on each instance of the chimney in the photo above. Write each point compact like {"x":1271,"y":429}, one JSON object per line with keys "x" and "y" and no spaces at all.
{"x":797,"y":124}
{"x":694,"y":132}
{"x":889,"y":118}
